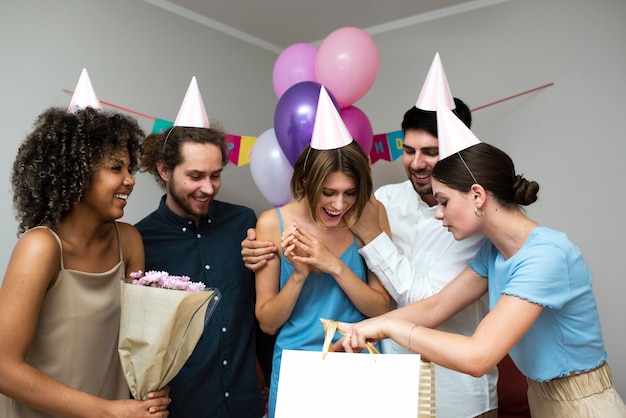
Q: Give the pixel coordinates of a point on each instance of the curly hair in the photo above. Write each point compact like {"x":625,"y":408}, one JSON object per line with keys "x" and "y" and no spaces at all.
{"x":166,"y":147}
{"x":313,"y":166}
{"x":55,"y":164}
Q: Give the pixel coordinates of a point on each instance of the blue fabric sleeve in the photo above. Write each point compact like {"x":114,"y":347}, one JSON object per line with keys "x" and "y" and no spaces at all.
{"x":542,"y":277}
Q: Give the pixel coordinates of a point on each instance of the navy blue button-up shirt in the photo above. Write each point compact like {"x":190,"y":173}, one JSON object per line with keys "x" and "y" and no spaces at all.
{"x":219,"y":379}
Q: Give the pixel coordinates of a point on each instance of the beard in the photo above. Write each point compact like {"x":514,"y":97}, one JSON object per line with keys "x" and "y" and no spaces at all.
{"x":421,"y":188}
{"x":183,"y":202}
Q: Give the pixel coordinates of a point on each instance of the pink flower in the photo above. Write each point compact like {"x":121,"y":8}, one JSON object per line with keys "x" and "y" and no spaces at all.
{"x":163,"y":280}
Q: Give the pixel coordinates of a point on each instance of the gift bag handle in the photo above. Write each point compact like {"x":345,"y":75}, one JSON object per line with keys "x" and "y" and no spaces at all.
{"x":426,"y":398}
{"x":330,"y":328}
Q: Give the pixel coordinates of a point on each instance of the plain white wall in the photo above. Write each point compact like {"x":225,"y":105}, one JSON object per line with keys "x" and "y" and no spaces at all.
{"x":568,"y":137}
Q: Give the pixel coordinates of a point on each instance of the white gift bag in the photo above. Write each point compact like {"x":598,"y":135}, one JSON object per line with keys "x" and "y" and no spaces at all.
{"x":364,"y":385}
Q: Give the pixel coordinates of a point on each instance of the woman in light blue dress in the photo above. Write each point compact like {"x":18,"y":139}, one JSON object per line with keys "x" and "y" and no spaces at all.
{"x":542,"y":307}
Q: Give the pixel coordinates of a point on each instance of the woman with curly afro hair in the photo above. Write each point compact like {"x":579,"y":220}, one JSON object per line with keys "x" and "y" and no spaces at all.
{"x":60,"y":296}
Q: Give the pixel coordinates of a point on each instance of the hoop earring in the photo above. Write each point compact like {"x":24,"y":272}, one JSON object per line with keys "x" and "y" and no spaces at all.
{"x":479,"y":212}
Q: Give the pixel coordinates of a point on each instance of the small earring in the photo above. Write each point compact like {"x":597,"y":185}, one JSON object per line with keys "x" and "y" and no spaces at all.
{"x":479,"y":212}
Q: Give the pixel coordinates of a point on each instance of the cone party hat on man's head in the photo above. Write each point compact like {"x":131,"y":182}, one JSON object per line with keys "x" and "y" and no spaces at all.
{"x":435,"y":87}
{"x":192,"y":113}
{"x":329,"y":130}
{"x":453,"y":135}
{"x":84,"y":95}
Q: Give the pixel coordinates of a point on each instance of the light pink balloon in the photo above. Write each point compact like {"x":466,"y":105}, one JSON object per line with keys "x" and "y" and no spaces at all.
{"x":295,"y":64}
{"x":347,"y":64}
{"x":359,"y":126}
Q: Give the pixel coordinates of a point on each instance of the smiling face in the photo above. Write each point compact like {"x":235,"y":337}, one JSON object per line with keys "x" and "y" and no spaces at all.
{"x":192,"y":185}
{"x":421,"y":153}
{"x":456,"y":211}
{"x":338,"y":196}
{"x":111,"y":185}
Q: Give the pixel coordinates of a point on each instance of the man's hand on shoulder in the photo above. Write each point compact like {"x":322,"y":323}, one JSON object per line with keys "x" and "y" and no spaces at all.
{"x":256,"y":253}
{"x":368,"y":226}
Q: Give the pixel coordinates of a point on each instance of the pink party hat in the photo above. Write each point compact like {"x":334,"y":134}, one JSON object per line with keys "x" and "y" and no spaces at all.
{"x":453,"y":135}
{"x":435,"y":87}
{"x":329,"y":130}
{"x":84,"y":95}
{"x":192,"y":113}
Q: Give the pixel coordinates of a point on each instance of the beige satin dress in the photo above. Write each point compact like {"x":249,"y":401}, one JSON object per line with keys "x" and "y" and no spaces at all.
{"x":76,"y":337}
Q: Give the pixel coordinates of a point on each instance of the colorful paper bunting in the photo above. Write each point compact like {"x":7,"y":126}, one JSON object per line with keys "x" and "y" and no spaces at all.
{"x":395,"y":140}
{"x":380,"y":149}
{"x":386,"y":146}
{"x":239,"y":148}
{"x":161,"y":125}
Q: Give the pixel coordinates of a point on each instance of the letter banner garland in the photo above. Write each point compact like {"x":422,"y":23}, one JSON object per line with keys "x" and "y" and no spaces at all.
{"x":386,"y":147}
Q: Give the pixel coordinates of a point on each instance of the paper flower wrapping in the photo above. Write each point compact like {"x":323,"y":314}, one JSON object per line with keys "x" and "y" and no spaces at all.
{"x":162,"y":319}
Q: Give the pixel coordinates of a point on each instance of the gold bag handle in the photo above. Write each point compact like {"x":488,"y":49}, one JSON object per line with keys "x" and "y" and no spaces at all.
{"x":330,"y":328}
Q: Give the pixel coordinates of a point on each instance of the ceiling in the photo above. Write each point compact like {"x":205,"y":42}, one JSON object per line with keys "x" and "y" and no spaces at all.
{"x":277,"y":24}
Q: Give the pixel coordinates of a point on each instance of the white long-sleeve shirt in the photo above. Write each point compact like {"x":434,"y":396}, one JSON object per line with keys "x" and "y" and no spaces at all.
{"x":422,"y":258}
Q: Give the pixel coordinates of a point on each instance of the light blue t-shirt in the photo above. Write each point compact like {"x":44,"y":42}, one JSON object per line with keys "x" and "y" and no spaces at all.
{"x":550,"y":271}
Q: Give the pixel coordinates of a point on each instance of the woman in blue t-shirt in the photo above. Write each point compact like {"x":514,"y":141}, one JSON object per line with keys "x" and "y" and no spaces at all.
{"x":542,"y":308}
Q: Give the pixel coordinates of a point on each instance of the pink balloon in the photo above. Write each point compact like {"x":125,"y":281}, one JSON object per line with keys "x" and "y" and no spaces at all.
{"x":295,"y":64}
{"x":347,"y":64}
{"x":359,"y":126}
{"x":270,"y":169}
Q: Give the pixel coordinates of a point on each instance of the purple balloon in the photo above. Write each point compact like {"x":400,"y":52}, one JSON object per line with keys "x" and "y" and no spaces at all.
{"x":295,"y":116}
{"x":270,"y":169}
{"x":359,"y":126}
{"x":294,"y":65}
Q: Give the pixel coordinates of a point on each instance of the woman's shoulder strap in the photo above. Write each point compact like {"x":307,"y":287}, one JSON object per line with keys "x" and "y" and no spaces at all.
{"x":280,"y":220}
{"x":56,"y":237}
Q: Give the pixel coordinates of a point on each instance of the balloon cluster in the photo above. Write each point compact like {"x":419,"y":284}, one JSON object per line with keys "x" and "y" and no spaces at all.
{"x":346,"y":63}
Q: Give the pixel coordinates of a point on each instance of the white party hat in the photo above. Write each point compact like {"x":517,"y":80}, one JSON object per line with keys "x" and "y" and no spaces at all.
{"x":329,"y":130}
{"x":84,"y":95}
{"x":435,"y":87}
{"x":192,"y":113}
{"x":453,"y":135}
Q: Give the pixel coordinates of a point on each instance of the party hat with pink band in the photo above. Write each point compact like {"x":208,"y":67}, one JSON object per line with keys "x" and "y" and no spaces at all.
{"x":453,"y":135}
{"x":84,"y":95}
{"x":192,"y":113}
{"x":435,"y":87}
{"x":329,"y":130}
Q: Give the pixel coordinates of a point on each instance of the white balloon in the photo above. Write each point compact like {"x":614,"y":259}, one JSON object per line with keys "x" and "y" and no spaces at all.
{"x":271,"y":170}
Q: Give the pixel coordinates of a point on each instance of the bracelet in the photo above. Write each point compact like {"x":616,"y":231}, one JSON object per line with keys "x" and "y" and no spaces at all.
{"x":408,"y":346}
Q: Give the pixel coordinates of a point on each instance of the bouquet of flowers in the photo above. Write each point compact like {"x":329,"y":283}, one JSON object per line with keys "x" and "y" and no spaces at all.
{"x":162,"y":319}
{"x":163,"y":280}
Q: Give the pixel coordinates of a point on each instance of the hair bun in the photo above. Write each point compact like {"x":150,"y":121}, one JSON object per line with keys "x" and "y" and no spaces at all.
{"x":524,"y":191}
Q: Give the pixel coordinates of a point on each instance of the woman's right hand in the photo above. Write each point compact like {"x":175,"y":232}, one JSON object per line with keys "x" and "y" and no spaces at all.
{"x":130,"y":408}
{"x":292,"y":252}
{"x":357,"y":335}
{"x":163,"y":395}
